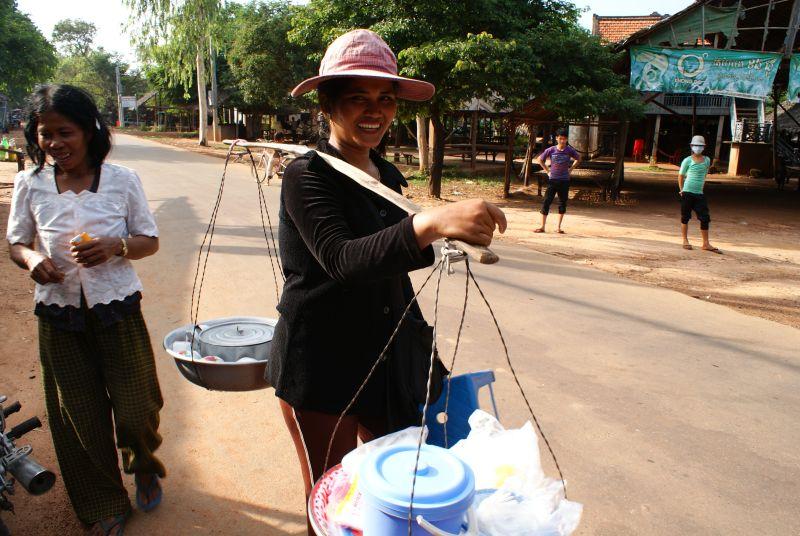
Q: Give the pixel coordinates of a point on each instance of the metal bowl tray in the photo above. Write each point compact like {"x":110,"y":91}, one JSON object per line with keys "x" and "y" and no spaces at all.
{"x":218,"y":376}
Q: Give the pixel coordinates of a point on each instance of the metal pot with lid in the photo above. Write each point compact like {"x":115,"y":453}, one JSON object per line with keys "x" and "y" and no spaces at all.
{"x":230,"y":339}
{"x":235,"y":338}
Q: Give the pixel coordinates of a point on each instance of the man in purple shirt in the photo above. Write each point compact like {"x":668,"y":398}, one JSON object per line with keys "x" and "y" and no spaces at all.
{"x":563,"y":160}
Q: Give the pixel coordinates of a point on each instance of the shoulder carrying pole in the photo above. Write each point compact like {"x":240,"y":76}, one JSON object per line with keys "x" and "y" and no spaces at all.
{"x":481,"y":254}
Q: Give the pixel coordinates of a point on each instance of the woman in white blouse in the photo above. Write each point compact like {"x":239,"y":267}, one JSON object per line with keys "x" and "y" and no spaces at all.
{"x":76,"y":223}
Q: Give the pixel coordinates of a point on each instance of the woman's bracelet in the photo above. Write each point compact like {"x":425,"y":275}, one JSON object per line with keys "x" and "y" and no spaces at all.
{"x":124,"y":251}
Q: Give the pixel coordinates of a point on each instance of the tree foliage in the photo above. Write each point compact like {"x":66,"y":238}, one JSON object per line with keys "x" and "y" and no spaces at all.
{"x":95,"y":71}
{"x":26,"y":57}
{"x":178,"y":37}
{"x":264,"y":65}
{"x":502,"y":51}
{"x":159,"y":80}
{"x":74,"y":37}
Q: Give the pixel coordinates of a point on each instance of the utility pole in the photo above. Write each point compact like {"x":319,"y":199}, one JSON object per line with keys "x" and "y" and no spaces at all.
{"x":120,"y":113}
{"x":214,"y":92}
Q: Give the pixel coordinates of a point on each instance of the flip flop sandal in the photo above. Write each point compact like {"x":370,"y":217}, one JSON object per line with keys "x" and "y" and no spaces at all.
{"x":687,"y":246}
{"x":713,"y":250}
{"x":538,"y":230}
{"x":561,"y":232}
{"x":153,"y":485}
{"x":117,"y":522}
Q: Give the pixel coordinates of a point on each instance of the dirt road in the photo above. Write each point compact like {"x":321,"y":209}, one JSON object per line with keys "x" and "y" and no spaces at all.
{"x":670,"y":415}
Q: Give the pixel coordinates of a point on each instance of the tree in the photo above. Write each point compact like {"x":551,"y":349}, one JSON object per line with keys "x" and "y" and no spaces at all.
{"x":26,"y":57}
{"x":264,"y":64}
{"x":178,"y":36}
{"x":74,"y":37}
{"x":94,"y":71}
{"x":502,"y":51}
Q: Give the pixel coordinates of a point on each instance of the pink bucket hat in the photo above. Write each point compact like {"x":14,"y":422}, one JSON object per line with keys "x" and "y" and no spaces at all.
{"x":362,"y":53}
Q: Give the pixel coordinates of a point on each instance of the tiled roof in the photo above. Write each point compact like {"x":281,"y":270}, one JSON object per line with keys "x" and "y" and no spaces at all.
{"x":615,"y":29}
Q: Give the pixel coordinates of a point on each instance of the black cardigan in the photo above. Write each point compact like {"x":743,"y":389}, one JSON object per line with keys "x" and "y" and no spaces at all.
{"x":346,"y":254}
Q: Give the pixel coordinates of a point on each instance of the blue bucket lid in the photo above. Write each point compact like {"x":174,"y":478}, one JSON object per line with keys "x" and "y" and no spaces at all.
{"x":445,"y":485}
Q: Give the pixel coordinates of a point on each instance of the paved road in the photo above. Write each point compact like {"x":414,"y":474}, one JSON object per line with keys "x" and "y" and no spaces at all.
{"x":669,"y":415}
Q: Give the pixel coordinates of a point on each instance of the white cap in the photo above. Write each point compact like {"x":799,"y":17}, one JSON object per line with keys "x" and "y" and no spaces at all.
{"x":698,"y":140}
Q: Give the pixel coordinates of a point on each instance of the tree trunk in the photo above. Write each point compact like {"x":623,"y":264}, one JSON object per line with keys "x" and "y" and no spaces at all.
{"x":422,"y":143}
{"x":473,"y":140}
{"x":214,"y":92}
{"x":202,"y":100}
{"x":619,"y":164}
{"x":437,"y":159}
{"x":431,"y":143}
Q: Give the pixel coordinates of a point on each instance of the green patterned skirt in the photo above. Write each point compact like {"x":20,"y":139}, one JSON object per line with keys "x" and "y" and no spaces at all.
{"x":98,"y":382}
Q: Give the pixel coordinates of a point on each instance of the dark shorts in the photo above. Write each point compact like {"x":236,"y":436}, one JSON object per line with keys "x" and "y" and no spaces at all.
{"x":556,"y":187}
{"x":697,"y":203}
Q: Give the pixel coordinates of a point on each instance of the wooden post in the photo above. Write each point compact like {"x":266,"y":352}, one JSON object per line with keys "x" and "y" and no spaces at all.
{"x":509,"y":171}
{"x":529,"y":155}
{"x":545,"y":139}
{"x":791,"y":33}
{"x":775,"y":96}
{"x":473,"y":139}
{"x":729,"y":42}
{"x":766,"y":26}
{"x":654,"y":152}
{"x":718,"y":146}
{"x":619,"y":164}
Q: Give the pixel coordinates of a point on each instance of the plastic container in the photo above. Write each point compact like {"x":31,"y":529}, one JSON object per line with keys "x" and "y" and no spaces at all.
{"x":444,"y":490}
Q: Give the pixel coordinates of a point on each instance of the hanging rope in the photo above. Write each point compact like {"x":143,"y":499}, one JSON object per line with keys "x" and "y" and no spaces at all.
{"x":427,"y":398}
{"x":450,"y":255}
{"x":208,"y":237}
{"x":381,"y":358}
{"x":455,"y":352}
{"x":516,"y":379}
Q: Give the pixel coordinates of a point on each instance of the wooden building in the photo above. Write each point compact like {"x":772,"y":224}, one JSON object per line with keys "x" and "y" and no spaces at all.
{"x":738,"y":131}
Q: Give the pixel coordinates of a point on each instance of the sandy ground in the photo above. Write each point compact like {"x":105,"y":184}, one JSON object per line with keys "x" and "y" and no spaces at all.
{"x":756,"y":226}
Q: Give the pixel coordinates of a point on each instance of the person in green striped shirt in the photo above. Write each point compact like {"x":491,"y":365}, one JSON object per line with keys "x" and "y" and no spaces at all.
{"x":691,"y":179}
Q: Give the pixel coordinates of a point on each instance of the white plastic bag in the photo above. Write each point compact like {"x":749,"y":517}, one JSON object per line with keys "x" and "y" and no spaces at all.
{"x":515,"y":454}
{"x":526,"y":502}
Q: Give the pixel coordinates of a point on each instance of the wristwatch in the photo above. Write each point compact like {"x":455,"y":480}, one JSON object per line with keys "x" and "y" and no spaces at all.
{"x":124,"y":251}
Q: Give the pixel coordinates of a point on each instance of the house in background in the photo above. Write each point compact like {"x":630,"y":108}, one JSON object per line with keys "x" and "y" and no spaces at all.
{"x":662,"y":135}
{"x":613,"y":29}
{"x":738,"y":130}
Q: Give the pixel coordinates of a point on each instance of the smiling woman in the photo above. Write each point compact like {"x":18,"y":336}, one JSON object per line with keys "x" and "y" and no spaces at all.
{"x":94,"y":348}
{"x":346,"y":254}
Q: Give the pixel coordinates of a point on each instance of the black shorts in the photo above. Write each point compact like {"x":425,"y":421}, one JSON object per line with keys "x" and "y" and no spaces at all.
{"x":697,"y":203}
{"x":556,"y":187}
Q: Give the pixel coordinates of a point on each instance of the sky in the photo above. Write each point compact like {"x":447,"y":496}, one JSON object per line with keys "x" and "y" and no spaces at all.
{"x":110,"y":16}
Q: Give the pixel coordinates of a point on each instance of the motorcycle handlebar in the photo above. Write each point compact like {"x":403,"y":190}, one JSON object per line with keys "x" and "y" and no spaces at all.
{"x":23,"y":428}
{"x":13,"y":408}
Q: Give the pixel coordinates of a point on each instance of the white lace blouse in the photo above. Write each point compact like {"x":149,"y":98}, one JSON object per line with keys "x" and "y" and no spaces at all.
{"x":118,"y":208}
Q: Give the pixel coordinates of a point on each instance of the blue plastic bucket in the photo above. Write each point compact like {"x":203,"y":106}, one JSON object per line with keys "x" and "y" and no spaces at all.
{"x":443,"y":493}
